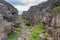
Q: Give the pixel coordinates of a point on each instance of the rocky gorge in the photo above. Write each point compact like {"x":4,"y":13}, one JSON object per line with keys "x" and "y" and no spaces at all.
{"x":40,"y":22}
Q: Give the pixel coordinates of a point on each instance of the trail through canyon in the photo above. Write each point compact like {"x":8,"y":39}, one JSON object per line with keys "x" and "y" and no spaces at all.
{"x":24,"y":34}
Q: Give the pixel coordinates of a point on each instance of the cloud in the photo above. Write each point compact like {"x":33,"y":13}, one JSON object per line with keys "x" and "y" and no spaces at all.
{"x":24,"y":5}
{"x":16,"y":2}
{"x":22,"y":8}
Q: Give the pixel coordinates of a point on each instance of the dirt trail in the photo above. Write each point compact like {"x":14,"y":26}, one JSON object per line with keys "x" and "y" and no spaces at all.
{"x":24,"y":34}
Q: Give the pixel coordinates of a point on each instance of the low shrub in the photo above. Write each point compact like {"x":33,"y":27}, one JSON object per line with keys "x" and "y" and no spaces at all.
{"x":27,"y":23}
{"x":21,"y":20}
{"x":35,"y":31}
{"x":13,"y":36}
{"x":56,"y":9}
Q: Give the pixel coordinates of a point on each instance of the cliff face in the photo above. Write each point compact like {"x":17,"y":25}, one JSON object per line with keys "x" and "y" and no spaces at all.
{"x":8,"y":18}
{"x":46,"y":12}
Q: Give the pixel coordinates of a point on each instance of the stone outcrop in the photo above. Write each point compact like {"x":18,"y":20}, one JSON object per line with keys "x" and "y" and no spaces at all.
{"x":8,"y":18}
{"x":43,"y":13}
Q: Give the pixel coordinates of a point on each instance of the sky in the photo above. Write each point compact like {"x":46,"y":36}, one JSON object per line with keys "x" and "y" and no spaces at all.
{"x":24,"y":5}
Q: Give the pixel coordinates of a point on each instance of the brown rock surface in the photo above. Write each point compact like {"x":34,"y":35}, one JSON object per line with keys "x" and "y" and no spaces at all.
{"x":43,"y":13}
{"x":8,"y":18}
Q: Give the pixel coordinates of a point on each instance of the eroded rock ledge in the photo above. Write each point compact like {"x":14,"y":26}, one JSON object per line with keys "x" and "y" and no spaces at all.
{"x":8,"y":18}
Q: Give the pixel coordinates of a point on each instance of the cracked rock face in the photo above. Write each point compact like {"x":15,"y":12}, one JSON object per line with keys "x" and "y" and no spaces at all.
{"x":43,"y":13}
{"x":8,"y":18}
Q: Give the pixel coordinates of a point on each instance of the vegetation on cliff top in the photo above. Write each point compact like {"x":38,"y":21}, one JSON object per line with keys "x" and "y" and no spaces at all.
{"x":56,"y":9}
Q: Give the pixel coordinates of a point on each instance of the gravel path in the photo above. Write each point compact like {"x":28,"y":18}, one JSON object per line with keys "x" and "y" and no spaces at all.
{"x":24,"y":34}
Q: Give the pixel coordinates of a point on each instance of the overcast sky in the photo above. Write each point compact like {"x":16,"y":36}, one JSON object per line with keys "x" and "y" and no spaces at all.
{"x":24,"y":5}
